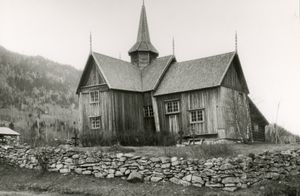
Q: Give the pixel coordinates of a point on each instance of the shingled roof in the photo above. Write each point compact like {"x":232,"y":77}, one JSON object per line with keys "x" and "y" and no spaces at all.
{"x":119,"y":74}
{"x":195,"y":74}
{"x":123,"y":75}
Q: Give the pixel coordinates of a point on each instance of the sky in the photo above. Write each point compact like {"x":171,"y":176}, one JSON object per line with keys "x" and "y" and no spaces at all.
{"x":268,"y":38}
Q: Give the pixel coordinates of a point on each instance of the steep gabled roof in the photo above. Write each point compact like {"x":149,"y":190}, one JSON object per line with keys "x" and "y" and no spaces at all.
{"x":122,"y":75}
{"x":119,"y":74}
{"x":195,"y":74}
{"x":152,"y":74}
{"x":143,"y":42}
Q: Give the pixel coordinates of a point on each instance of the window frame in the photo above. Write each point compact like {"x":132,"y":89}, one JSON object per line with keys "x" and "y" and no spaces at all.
{"x":172,"y":106}
{"x":148,"y":111}
{"x":94,"y":123}
{"x":196,"y":112}
{"x":98,"y":96}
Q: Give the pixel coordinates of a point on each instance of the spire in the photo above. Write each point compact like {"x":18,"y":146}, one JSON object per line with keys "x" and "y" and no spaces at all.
{"x":236,"y":41}
{"x":173,"y":46}
{"x":143,"y":42}
{"x":91,"y":44}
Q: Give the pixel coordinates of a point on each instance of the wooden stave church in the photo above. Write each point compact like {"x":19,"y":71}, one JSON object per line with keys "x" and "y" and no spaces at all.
{"x":204,"y":97}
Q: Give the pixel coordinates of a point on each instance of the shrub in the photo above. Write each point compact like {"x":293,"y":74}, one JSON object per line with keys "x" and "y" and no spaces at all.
{"x":43,"y":157}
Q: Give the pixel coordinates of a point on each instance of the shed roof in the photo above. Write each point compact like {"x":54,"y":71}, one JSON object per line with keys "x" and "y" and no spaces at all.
{"x":195,"y":74}
{"x":8,"y":131}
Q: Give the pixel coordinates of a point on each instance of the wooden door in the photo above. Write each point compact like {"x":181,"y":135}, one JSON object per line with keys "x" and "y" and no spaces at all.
{"x":173,"y":124}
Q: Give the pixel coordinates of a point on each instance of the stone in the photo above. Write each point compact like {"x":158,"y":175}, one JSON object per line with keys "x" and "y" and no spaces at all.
{"x":118,"y":174}
{"x":75,"y":156}
{"x":110,"y":176}
{"x":69,"y":160}
{"x":127,"y":172}
{"x":135,"y":177}
{"x":166,"y":165}
{"x":100,"y":175}
{"x":90,"y":160}
{"x":59,"y":166}
{"x":64,"y":171}
{"x":230,"y":180}
{"x":187,"y":178}
{"x":78,"y":170}
{"x":154,"y":159}
{"x":197,"y":180}
{"x":123,"y":169}
{"x":272,"y":175}
{"x":111,"y":171}
{"x":173,"y":159}
{"x":226,"y":166}
{"x":164,"y":159}
{"x":214,"y":185}
{"x":128,"y":155}
{"x":87,"y":172}
{"x":156,"y":179}
{"x":185,"y":183}
{"x":174,"y":163}
{"x":175,"y":180}
{"x":230,"y":189}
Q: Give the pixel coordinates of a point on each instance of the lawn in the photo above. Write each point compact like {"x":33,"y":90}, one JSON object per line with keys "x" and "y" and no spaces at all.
{"x":199,"y":151}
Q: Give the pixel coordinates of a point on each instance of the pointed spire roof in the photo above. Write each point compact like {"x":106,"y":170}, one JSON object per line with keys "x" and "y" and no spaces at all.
{"x":143,"y":42}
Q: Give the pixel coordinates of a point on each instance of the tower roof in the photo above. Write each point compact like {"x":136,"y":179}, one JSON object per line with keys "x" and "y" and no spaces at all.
{"x":143,"y":42}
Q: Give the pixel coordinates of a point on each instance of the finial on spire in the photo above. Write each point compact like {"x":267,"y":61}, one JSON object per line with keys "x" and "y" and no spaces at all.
{"x":143,"y":2}
{"x":91,"y":43}
{"x":173,"y":46}
{"x":236,"y":41}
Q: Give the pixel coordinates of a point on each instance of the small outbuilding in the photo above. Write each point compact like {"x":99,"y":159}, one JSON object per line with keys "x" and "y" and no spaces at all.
{"x":5,"y":131}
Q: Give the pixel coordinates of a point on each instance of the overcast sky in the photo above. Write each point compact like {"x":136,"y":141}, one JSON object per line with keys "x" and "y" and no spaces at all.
{"x":268,"y":38}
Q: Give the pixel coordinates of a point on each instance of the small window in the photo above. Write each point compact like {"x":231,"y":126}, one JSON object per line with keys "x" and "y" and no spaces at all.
{"x":172,"y":107}
{"x":95,"y":122}
{"x":197,"y":116}
{"x":94,"y":97}
{"x":148,"y":111}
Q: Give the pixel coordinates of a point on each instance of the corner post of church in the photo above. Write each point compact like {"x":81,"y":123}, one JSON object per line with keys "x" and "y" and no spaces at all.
{"x":155,"y":112}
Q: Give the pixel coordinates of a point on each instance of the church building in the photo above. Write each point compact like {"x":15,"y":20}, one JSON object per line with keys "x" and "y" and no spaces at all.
{"x":206,"y":97}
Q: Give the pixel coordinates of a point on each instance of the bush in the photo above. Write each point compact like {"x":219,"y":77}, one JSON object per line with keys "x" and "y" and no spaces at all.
{"x":43,"y":157}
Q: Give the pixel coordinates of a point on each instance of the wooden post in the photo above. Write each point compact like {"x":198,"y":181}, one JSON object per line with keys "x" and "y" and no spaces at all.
{"x":155,"y":112}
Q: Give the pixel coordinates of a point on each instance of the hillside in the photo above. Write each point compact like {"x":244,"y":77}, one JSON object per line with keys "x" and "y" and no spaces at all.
{"x":38,"y":96}
{"x":33,"y":81}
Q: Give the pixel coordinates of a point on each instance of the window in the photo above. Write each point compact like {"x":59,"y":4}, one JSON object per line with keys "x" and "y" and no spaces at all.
{"x":94,"y":97}
{"x":148,"y":111}
{"x":197,"y":116}
{"x":95,"y":122}
{"x":172,"y":107}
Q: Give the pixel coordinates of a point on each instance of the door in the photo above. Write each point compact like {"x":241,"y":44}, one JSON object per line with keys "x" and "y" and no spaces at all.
{"x":173,"y":124}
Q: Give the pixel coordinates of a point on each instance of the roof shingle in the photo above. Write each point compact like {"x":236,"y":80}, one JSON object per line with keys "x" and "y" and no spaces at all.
{"x":195,"y":74}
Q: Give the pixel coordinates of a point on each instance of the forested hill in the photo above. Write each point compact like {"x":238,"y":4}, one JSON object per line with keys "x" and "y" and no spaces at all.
{"x":32,"y":82}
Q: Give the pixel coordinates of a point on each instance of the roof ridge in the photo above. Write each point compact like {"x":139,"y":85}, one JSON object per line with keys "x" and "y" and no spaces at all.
{"x":207,"y":57}
{"x":111,"y":57}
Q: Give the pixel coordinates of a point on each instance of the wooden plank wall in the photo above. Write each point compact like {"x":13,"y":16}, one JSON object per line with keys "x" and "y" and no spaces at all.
{"x":206,"y":99}
{"x":149,"y":124}
{"x":226,"y":111}
{"x":127,"y":111}
{"x":102,"y":109}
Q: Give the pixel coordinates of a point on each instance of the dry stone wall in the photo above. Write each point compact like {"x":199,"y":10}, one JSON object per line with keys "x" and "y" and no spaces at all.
{"x":225,"y":173}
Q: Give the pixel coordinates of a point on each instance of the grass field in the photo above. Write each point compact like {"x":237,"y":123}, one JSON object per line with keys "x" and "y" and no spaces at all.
{"x":200,"y":151}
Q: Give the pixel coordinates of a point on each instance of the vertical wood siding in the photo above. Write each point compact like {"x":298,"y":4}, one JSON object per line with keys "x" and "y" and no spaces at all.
{"x":226,"y":110}
{"x":206,"y":99}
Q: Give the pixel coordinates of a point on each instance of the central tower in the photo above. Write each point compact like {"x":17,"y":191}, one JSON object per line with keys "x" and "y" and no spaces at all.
{"x":143,"y":52}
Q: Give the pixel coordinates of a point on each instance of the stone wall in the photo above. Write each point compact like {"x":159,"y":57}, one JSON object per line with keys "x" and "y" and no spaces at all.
{"x":226,"y":173}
